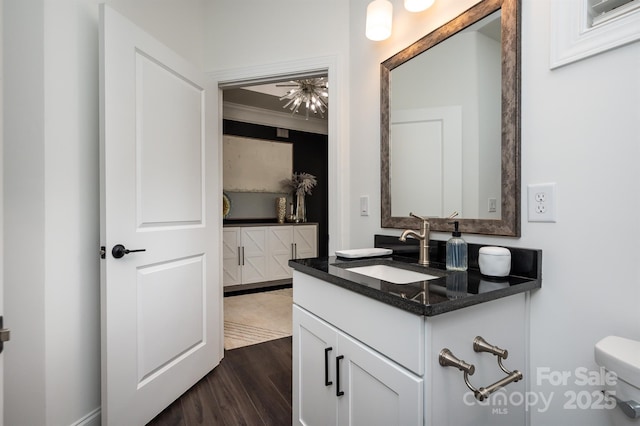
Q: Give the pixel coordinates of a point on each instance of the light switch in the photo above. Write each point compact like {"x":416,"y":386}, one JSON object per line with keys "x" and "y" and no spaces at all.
{"x":364,"y":205}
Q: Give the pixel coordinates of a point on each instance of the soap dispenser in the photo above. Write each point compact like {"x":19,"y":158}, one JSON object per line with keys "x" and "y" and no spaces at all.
{"x":457,"y":259}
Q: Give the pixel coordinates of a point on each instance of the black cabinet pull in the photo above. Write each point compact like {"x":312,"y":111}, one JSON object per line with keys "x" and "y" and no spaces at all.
{"x":327,"y":382}
{"x":338,"y":391}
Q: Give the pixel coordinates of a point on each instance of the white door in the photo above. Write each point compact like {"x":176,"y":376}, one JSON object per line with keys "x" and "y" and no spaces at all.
{"x":428,"y":143}
{"x":1,"y":270}
{"x":1,"y":219}
{"x":376,"y":390}
{"x":161,"y":308}
{"x":314,"y":370}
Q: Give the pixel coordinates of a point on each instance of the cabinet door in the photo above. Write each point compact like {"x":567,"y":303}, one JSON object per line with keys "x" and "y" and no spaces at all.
{"x":305,"y":240}
{"x":254,"y":254}
{"x":376,"y":390}
{"x":231,"y":268}
{"x":280,"y":250}
{"x":314,"y":384}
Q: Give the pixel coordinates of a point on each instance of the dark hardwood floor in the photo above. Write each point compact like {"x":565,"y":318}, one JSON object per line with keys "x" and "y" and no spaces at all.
{"x":251,"y":386}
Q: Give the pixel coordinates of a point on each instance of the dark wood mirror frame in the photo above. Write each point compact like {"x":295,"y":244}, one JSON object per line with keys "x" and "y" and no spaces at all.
{"x":509,"y":224}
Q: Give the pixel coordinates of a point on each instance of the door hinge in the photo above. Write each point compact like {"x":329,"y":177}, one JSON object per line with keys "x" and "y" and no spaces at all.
{"x":5,"y":334}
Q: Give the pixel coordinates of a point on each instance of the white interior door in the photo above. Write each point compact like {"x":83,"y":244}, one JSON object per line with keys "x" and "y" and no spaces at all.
{"x":1,"y":209}
{"x":427,"y":156}
{"x":161,"y":322}
{"x":1,"y":236}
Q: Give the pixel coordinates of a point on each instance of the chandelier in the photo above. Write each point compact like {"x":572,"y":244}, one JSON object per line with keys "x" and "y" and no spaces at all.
{"x":313,"y":93}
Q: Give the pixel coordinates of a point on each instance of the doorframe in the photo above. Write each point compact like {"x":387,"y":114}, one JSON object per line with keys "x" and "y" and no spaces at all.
{"x":337,"y":127}
{"x":1,"y":201}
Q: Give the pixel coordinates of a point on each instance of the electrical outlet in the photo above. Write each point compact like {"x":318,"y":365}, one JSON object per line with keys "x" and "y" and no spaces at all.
{"x":542,"y":202}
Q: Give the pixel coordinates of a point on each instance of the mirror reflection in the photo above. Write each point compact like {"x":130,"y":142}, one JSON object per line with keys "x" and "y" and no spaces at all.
{"x":444,"y":118}
{"x":450,"y":134}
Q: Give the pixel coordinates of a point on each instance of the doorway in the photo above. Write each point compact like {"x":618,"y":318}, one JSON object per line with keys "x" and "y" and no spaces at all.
{"x":259,"y":111}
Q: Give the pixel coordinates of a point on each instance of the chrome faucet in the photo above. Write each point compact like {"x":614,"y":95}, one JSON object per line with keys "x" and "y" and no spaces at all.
{"x":423,"y":237}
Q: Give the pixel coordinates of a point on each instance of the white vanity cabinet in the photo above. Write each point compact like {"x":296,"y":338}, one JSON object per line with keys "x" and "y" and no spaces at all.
{"x":340,"y":381}
{"x":386,"y":360}
{"x":253,"y":254}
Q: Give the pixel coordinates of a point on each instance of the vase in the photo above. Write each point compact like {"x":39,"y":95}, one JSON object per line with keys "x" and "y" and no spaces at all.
{"x":281,"y":208}
{"x":301,"y":212}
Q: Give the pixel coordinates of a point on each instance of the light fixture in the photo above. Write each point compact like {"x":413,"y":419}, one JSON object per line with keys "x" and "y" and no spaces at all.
{"x":417,"y":5}
{"x":379,"y":17}
{"x":313,"y":93}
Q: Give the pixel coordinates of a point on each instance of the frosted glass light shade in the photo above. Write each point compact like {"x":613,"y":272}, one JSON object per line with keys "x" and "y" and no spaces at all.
{"x":379,"y":17}
{"x":417,"y":5}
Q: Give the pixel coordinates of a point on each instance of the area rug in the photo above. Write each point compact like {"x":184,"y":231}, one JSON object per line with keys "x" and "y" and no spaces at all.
{"x":257,"y":317}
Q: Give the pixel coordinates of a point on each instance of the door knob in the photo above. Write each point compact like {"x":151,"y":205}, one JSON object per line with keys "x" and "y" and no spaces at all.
{"x":119,"y":251}
{"x":5,"y":335}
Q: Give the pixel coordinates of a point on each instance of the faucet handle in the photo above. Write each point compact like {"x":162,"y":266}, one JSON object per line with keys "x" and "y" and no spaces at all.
{"x":425,"y":219}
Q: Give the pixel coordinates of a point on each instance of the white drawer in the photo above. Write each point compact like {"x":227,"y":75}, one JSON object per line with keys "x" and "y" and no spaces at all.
{"x":397,"y":334}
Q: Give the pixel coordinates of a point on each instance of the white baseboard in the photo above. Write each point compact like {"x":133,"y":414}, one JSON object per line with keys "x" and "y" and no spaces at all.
{"x":91,"y":419}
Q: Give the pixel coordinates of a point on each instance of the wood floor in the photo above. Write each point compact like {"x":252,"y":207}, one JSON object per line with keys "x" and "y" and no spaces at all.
{"x":251,"y":386}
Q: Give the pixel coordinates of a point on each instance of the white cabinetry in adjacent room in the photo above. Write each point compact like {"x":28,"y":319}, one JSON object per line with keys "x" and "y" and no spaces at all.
{"x":244,"y":255}
{"x":280,"y":246}
{"x":254,"y":254}
{"x":231,"y":257}
{"x":305,"y":241}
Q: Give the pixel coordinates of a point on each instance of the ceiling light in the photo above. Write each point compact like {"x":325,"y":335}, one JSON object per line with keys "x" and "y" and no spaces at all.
{"x":313,"y":93}
{"x":379,"y":16}
{"x":417,"y":5}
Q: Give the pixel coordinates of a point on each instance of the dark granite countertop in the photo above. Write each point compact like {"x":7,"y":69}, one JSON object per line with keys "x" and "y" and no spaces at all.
{"x":449,"y":292}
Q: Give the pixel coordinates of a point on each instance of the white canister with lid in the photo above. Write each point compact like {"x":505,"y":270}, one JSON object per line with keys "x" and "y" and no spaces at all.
{"x":494,"y":261}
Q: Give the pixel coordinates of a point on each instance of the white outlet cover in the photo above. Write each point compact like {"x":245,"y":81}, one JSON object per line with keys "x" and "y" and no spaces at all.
{"x":541,"y":200}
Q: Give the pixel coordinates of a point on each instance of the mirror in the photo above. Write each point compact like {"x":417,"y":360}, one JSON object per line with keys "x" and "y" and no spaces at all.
{"x":450,"y":125}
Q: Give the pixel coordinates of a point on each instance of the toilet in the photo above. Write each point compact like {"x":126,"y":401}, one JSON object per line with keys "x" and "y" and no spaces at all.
{"x":622,"y":356}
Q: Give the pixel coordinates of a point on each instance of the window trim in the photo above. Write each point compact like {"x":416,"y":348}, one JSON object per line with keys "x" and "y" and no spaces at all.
{"x":573,"y":38}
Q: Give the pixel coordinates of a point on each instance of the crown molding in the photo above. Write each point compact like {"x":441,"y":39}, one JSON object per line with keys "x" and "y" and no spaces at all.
{"x":265,"y":117}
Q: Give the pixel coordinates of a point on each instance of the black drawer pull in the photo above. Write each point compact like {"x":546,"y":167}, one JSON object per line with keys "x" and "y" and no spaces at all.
{"x":338,"y":391}
{"x":327,"y":382}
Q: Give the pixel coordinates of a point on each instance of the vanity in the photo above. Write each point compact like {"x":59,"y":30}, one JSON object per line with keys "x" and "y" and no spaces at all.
{"x":440,"y":348}
{"x":366,"y":351}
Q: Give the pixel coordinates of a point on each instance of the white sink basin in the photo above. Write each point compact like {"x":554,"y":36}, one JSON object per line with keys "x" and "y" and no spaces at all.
{"x":391,"y":274}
